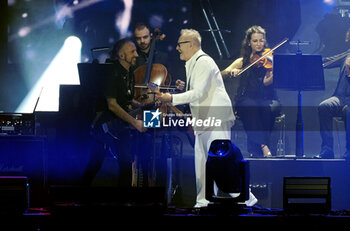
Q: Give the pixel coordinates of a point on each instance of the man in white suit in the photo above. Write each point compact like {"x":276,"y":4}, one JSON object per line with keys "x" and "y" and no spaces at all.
{"x":207,"y":97}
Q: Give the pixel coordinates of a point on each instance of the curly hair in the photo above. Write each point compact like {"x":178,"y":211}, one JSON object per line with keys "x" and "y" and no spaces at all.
{"x":246,"y":49}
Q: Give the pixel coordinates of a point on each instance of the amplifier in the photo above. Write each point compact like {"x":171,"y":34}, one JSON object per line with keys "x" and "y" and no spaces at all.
{"x":26,"y":156}
{"x":17,"y":124}
{"x":14,"y":195}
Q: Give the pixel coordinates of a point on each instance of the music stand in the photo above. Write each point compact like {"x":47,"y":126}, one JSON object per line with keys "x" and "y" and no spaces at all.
{"x":297,"y":72}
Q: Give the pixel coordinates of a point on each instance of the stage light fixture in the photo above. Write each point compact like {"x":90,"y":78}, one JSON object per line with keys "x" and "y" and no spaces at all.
{"x":226,"y":169}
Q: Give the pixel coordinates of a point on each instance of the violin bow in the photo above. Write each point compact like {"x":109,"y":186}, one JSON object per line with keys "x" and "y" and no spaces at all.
{"x":336,"y":59}
{"x":263,"y":56}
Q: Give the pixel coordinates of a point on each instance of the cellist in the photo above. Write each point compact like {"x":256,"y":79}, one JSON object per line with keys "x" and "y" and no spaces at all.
{"x":144,"y":143}
{"x":256,"y":102}
{"x":142,"y":36}
{"x":336,"y":105}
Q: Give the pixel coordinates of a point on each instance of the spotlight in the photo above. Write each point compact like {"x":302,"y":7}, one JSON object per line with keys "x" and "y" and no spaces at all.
{"x":62,"y":70}
{"x":226,"y":169}
{"x":329,"y":2}
{"x":220,"y":148}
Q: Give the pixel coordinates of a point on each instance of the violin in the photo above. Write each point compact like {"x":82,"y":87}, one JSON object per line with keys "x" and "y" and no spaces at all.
{"x":266,"y":61}
{"x":265,"y":57}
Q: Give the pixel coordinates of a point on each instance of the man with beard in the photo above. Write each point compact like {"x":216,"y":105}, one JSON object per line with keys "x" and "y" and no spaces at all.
{"x":111,"y":126}
{"x":144,"y":144}
{"x":336,"y":106}
{"x":143,"y":39}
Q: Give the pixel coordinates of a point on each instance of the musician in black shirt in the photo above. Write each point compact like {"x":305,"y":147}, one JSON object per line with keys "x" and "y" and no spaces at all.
{"x":111,"y":127}
{"x":144,"y":149}
{"x":143,"y":39}
{"x":336,"y":105}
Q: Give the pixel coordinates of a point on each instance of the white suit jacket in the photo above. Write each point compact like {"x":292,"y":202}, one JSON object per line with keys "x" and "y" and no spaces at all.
{"x":206,"y":92}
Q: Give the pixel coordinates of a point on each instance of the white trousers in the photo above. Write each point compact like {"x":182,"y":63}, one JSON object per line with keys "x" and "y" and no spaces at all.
{"x":201,"y":148}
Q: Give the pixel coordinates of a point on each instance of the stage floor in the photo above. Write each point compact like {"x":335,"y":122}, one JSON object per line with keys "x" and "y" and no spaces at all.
{"x":266,"y":182}
{"x":266,"y":179}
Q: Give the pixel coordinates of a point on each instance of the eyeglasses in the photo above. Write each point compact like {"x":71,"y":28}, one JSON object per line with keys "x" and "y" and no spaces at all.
{"x":179,"y":43}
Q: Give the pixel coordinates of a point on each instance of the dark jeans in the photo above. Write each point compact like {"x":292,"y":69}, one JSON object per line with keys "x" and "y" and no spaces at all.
{"x":125,"y":145}
{"x":329,"y":108}
{"x":258,"y":117}
{"x":107,"y":143}
{"x":142,"y":149}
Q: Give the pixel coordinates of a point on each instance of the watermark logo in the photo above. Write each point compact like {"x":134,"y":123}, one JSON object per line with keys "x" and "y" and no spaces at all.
{"x":151,"y":118}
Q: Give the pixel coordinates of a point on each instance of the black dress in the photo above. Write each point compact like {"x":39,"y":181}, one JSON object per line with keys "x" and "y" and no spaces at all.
{"x":257,"y":106}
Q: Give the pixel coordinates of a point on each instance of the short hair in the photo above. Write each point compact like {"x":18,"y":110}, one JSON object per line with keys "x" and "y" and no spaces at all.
{"x":118,"y":46}
{"x":141,"y":25}
{"x":192,"y":34}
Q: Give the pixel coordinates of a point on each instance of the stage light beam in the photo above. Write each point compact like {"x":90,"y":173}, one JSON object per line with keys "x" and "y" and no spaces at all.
{"x":62,"y":70}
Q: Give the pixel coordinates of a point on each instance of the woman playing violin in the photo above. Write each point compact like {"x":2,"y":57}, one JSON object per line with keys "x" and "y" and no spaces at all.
{"x":256,"y":103}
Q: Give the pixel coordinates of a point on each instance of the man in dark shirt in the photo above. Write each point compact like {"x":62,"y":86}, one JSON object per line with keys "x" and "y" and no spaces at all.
{"x":143,"y":39}
{"x":111,"y":126}
{"x":145,"y":150}
{"x":335,"y":106}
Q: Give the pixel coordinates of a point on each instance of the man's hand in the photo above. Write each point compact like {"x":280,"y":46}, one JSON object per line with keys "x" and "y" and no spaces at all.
{"x":180,"y":84}
{"x":164,"y":97}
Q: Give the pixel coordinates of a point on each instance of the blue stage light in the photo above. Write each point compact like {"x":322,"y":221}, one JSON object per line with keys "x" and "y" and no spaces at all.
{"x":220,"y":148}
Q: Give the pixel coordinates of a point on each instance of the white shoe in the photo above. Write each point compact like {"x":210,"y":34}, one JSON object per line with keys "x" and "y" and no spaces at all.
{"x":201,"y":204}
{"x":251,"y":201}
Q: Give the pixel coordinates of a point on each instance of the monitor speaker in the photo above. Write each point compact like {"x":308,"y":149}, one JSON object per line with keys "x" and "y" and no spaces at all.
{"x":306,"y":195}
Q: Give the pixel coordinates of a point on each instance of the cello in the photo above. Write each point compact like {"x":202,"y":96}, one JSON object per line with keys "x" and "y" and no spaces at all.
{"x":150,"y":78}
